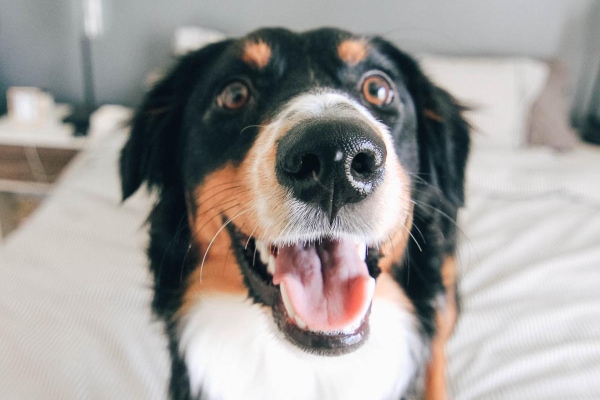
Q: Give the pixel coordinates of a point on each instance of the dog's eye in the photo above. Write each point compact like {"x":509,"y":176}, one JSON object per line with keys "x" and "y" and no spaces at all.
{"x":234,"y":96}
{"x":377,"y":90}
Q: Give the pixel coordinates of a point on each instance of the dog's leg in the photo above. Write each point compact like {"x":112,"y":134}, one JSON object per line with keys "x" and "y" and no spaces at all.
{"x":435,"y":379}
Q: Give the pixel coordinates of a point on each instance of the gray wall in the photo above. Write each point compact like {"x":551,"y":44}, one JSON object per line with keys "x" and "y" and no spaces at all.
{"x":39,"y":47}
{"x":39,"y":42}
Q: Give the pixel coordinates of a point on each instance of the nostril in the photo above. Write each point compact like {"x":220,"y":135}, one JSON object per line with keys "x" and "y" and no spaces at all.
{"x":303,"y":167}
{"x":330,"y":162}
{"x":363,"y":165}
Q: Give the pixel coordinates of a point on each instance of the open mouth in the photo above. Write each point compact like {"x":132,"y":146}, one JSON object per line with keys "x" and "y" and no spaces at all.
{"x":320,"y":292}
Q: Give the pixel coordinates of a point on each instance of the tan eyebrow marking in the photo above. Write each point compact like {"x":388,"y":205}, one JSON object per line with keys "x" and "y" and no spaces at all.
{"x":353,"y":51}
{"x":256,"y":54}
{"x":433,"y":115}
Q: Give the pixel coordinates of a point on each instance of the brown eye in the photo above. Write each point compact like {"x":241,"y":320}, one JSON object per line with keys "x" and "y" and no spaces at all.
{"x":234,"y":96}
{"x":377,"y":90}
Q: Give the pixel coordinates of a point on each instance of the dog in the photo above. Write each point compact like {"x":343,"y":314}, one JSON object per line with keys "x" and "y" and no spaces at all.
{"x":303,"y":235}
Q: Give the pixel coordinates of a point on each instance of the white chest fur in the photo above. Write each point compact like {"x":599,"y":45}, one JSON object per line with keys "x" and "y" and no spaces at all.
{"x":234,"y":351}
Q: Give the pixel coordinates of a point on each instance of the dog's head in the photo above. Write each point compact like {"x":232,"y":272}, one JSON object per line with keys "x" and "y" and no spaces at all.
{"x":298,"y":158}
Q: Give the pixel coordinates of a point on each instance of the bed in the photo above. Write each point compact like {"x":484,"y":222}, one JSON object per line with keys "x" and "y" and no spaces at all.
{"x":75,"y":290}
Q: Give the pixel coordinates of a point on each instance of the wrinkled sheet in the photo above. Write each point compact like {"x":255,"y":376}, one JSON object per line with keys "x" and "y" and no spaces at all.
{"x":75,"y":293}
{"x":530,"y":276}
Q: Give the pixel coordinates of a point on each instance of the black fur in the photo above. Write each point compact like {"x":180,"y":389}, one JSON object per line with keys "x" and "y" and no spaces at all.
{"x":174,"y":144}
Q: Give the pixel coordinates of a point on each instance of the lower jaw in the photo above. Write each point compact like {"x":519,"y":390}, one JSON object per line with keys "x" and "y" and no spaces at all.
{"x":321,"y":343}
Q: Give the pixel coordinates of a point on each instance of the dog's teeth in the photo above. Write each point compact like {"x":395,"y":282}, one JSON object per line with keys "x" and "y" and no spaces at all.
{"x":271,"y":265}
{"x":290,"y":310}
{"x":361,"y":250}
{"x":262,"y":251}
{"x":301,"y":324}
{"x":286,"y":302}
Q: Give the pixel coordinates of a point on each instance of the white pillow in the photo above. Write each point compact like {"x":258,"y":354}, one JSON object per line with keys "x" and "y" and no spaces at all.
{"x":499,"y":91}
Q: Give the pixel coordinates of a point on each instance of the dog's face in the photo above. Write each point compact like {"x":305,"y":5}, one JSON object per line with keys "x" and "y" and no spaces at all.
{"x":310,"y":148}
{"x":297,"y":156}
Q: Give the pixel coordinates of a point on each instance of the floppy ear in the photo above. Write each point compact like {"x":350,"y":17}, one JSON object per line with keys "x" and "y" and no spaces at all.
{"x":443,"y":142}
{"x":150,"y":154}
{"x":443,"y":133}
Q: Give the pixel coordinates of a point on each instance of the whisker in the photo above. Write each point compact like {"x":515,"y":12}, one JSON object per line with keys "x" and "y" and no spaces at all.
{"x":443,"y":214}
{"x":250,"y":237}
{"x":420,"y":233}
{"x":212,"y":195}
{"x":184,"y":261}
{"x":216,"y":215}
{"x":420,"y":204}
{"x":391,"y":242}
{"x":178,"y":230}
{"x":204,"y":212}
{"x":229,"y":253}
{"x":239,"y":188}
{"x":411,"y":235}
{"x":219,"y":185}
{"x":418,"y":178}
{"x":223,"y":226}
{"x":251,"y":126}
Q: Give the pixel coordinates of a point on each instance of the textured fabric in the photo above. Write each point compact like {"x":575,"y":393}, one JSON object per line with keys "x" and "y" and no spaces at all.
{"x":75,"y":320}
{"x":530,"y":273}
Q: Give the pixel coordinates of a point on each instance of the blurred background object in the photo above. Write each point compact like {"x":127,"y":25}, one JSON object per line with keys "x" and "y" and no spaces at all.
{"x":91,"y":28}
{"x":40,"y":42}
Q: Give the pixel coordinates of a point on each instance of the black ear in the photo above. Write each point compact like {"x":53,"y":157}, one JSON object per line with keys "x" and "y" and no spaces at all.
{"x":443,"y":142}
{"x":443,"y":133}
{"x":150,"y":154}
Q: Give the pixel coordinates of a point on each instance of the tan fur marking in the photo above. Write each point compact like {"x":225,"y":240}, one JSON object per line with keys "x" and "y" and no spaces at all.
{"x":432,"y":115}
{"x":353,"y":51}
{"x":221,"y":196}
{"x":256,"y":54}
{"x":158,"y":111}
{"x":388,"y":289}
{"x":435,"y":380}
{"x":394,"y":249}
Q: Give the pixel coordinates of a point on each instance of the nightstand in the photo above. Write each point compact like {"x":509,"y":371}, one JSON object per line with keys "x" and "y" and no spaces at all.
{"x":31,"y":159}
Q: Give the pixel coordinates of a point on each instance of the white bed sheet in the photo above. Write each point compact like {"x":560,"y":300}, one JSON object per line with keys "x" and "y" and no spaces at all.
{"x":75,"y":320}
{"x":530,"y":277}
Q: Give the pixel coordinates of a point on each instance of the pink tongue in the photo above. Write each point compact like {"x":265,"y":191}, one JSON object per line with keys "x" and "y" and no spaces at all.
{"x":328,"y":285}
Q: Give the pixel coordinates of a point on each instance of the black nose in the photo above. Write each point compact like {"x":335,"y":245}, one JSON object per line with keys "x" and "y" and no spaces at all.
{"x":331,"y":162}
